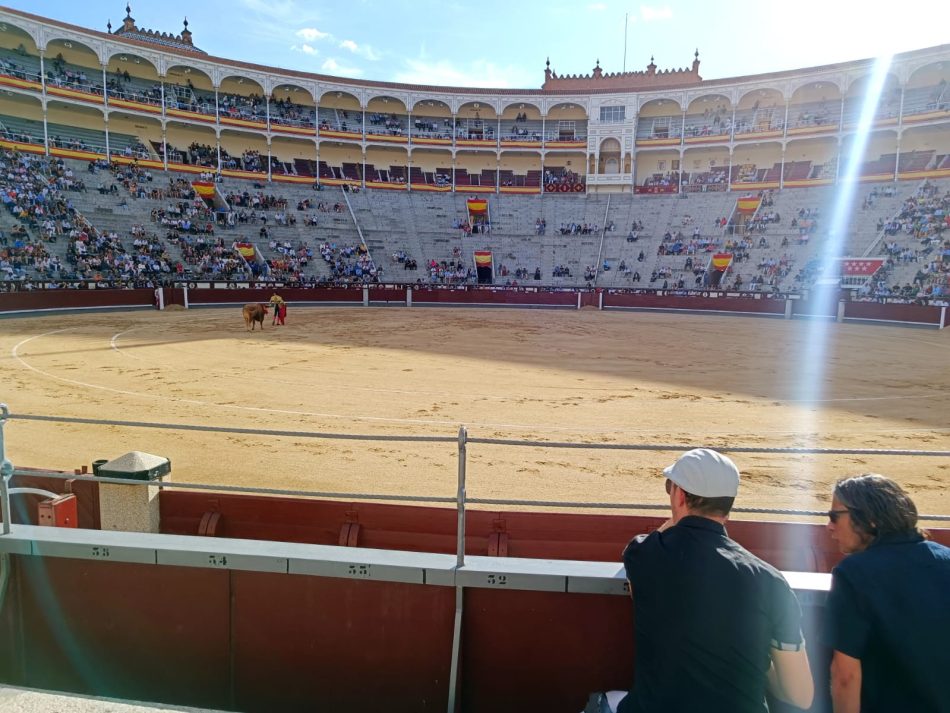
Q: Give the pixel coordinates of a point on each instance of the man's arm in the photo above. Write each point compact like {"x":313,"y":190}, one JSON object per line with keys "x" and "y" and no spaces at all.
{"x":845,"y":683}
{"x":790,"y":677}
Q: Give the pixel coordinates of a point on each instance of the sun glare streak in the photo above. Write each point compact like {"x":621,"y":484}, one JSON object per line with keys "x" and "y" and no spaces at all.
{"x":824,"y":297}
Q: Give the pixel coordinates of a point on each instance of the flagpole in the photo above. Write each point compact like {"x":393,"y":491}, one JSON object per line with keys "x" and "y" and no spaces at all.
{"x":625,"y":16}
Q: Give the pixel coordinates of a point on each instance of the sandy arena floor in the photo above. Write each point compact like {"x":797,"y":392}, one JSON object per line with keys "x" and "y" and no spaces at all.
{"x":587,"y":376}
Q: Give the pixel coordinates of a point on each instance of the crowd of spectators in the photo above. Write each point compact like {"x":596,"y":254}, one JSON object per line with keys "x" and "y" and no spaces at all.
{"x":208,"y":257}
{"x":555,"y":178}
{"x":349,"y":264}
{"x":916,"y":236}
{"x":388,"y":123}
{"x":62,"y":74}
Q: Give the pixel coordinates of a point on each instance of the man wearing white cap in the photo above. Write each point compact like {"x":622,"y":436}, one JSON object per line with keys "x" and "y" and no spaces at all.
{"x":714,"y":625}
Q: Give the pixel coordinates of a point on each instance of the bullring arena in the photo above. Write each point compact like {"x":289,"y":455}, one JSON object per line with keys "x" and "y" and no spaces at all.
{"x":578,"y":376}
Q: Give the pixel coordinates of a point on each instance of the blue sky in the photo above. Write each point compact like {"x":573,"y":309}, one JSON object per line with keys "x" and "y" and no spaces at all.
{"x":494,"y":43}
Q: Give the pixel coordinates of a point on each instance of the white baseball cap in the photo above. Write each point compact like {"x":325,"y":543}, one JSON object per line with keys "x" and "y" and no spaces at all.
{"x":705,"y":473}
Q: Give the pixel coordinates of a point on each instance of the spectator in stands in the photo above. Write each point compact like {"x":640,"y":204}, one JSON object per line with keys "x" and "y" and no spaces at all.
{"x":888,"y":618}
{"x":715,"y":625}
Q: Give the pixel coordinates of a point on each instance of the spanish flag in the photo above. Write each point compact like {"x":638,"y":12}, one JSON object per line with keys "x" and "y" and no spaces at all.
{"x":477,"y":206}
{"x":205,"y":189}
{"x":747,"y":204}
{"x":484,"y":269}
{"x":246,"y":250}
{"x":720,"y":261}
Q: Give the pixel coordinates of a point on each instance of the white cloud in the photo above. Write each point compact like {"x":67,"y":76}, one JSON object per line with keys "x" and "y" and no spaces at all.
{"x":480,"y":73}
{"x":311,"y":34}
{"x":269,"y":20}
{"x":597,"y":7}
{"x":650,"y":13}
{"x":307,"y":49}
{"x":331,"y":66}
{"x":362,"y":50}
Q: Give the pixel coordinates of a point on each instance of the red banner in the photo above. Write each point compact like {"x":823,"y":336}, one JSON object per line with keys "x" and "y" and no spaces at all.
{"x":860,"y":266}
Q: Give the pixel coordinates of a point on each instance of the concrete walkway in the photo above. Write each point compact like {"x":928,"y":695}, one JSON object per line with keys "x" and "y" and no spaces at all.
{"x":28,"y":700}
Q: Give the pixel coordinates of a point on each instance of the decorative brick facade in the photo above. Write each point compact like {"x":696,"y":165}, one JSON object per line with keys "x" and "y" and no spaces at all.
{"x":623,"y":81}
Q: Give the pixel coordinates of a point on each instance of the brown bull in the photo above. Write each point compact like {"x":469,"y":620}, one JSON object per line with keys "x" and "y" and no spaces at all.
{"x":254,"y":312}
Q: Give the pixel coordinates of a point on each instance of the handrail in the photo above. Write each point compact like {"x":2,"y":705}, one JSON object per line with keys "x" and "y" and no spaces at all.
{"x":598,"y":267}
{"x":462,"y":440}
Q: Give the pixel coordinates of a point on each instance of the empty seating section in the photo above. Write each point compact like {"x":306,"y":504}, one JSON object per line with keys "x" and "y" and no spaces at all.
{"x":340,"y":120}
{"x":22,"y":130}
{"x":923,"y":100}
{"x":760,"y":119}
{"x":20,"y":65}
{"x":521,"y":130}
{"x":811,"y":114}
{"x":915,"y":161}
{"x":565,"y":130}
{"x":660,"y":127}
{"x":187,"y":98}
{"x":305,"y":167}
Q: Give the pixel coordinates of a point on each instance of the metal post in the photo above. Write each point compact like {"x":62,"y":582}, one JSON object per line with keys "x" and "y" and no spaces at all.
{"x":6,"y":471}
{"x":460,"y":562}
{"x":460,"y":499}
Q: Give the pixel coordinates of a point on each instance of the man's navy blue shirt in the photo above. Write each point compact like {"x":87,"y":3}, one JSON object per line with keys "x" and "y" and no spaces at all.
{"x":890,"y":607}
{"x":706,"y":613}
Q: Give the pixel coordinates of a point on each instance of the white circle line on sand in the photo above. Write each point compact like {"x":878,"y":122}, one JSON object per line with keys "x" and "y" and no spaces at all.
{"x":379,"y":419}
{"x":285,"y":412}
{"x":114,"y":343}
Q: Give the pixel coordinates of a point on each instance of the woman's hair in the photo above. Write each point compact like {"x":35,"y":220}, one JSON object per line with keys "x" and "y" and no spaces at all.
{"x":878,"y":506}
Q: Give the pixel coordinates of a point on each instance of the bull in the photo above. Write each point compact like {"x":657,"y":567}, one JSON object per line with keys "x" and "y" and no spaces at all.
{"x":254,"y":312}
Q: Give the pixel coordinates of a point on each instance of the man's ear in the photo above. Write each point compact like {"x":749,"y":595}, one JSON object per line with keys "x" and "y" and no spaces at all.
{"x":679,"y":497}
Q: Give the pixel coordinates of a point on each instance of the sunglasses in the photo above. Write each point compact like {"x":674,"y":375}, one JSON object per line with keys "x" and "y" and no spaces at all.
{"x":833,"y":515}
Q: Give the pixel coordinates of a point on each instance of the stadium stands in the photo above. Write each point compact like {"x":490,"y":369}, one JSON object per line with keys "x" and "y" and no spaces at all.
{"x":415,"y":220}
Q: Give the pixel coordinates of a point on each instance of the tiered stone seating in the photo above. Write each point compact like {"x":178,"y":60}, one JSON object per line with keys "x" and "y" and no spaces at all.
{"x":915,"y":161}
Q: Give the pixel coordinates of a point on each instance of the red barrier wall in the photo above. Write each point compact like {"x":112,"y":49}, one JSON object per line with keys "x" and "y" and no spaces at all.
{"x":512,"y":296}
{"x":919,"y":314}
{"x":760,"y":305}
{"x":75,"y":299}
{"x":219,"y":293}
{"x":391,"y":294}
{"x":203,"y":296}
{"x":275,"y":642}
{"x":599,"y":538}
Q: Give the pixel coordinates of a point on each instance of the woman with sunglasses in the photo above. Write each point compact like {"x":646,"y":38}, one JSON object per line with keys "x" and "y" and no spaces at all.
{"x":888,"y":614}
